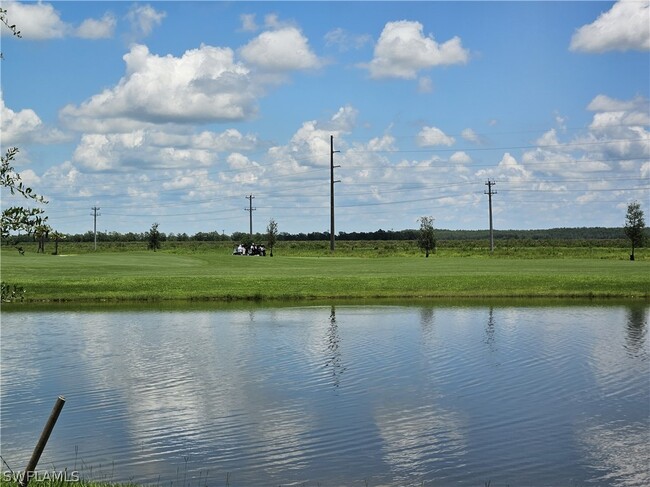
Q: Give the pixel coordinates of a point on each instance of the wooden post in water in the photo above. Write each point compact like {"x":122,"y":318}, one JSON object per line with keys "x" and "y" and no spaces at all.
{"x":42,"y":441}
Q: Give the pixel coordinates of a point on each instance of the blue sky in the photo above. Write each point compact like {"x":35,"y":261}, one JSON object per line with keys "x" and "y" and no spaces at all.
{"x":174,"y":112}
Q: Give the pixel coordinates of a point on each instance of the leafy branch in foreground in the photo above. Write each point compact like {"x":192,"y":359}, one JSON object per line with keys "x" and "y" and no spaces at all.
{"x":12,"y":27}
{"x":4,"y":20}
{"x":15,"y":218}
{"x":18,"y":218}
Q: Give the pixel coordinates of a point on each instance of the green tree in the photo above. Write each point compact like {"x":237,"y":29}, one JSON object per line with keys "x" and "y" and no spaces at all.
{"x":634,"y":225}
{"x":271,"y":235}
{"x":153,"y":237}
{"x":426,"y":238}
{"x":57,"y":236}
{"x":41,"y":233}
{"x":18,"y":218}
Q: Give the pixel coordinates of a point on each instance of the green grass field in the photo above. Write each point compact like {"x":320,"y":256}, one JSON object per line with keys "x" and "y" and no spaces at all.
{"x":205,"y":274}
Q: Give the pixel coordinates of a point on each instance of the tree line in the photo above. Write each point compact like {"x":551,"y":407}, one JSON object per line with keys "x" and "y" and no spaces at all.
{"x":583,"y":233}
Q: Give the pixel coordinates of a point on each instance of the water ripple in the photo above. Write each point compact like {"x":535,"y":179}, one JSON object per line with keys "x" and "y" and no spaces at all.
{"x":334,"y":395}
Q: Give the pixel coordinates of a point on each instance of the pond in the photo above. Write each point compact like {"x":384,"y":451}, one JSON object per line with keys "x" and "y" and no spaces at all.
{"x":378,"y":395}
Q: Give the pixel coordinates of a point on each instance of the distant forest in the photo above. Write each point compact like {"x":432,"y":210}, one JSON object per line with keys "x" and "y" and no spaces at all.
{"x":557,"y":234}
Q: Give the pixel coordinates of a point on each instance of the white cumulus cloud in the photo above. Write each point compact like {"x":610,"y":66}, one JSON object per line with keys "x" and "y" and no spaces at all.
{"x":149,"y":148}
{"x":41,"y":21}
{"x":97,"y":29}
{"x":25,"y":126}
{"x":617,"y":139}
{"x":345,"y":119}
{"x":636,"y":108}
{"x":402,"y":50}
{"x":548,"y":139}
{"x":308,"y":144}
{"x":36,"y":21}
{"x":248,"y":23}
{"x":469,"y":135}
{"x":202,"y":85}
{"x":430,"y":136}
{"x":143,"y":19}
{"x":460,"y":157}
{"x":508,"y":170}
{"x":625,"y":26}
{"x":16,"y":126}
{"x":110,"y":152}
{"x":285,"y":49}
{"x":619,"y":127}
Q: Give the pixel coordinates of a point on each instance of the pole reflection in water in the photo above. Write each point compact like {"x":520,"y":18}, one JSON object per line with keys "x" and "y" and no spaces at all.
{"x":636,"y":330}
{"x":426,"y":317}
{"x":333,"y":341}
{"x":489,"y":331}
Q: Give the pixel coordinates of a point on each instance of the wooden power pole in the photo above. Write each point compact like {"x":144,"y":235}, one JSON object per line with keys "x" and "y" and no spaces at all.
{"x":250,"y":209}
{"x":94,"y":214}
{"x":332,"y":181}
{"x":490,"y":192}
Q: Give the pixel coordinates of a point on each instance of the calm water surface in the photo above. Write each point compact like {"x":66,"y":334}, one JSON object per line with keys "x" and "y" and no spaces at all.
{"x":334,"y":396}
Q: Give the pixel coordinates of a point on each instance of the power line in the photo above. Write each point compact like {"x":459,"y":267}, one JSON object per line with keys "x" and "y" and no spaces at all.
{"x":509,"y":132}
{"x":275,"y":198}
{"x":533,"y":164}
{"x":305,"y":157}
{"x":555,"y":191}
{"x":472,"y":149}
{"x":562,"y":190}
{"x":397,"y":187}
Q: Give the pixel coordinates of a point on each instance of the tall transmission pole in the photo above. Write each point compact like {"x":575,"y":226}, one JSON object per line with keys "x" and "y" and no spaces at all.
{"x":332,"y":181}
{"x":250,"y":209}
{"x":94,"y":214}
{"x":490,"y":192}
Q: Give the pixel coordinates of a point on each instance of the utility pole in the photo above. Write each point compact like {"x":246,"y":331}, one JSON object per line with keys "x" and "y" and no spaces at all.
{"x":490,"y":192}
{"x":94,"y":214}
{"x":332,"y":181}
{"x":250,"y":209}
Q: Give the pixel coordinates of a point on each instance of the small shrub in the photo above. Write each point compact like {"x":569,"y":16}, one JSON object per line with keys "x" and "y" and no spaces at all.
{"x":11,"y":293}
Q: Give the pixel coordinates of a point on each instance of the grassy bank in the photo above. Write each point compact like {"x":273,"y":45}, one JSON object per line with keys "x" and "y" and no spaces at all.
{"x":214,"y":274}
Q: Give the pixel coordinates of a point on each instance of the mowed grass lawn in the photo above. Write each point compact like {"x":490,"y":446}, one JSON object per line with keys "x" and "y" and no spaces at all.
{"x":142,"y":275}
